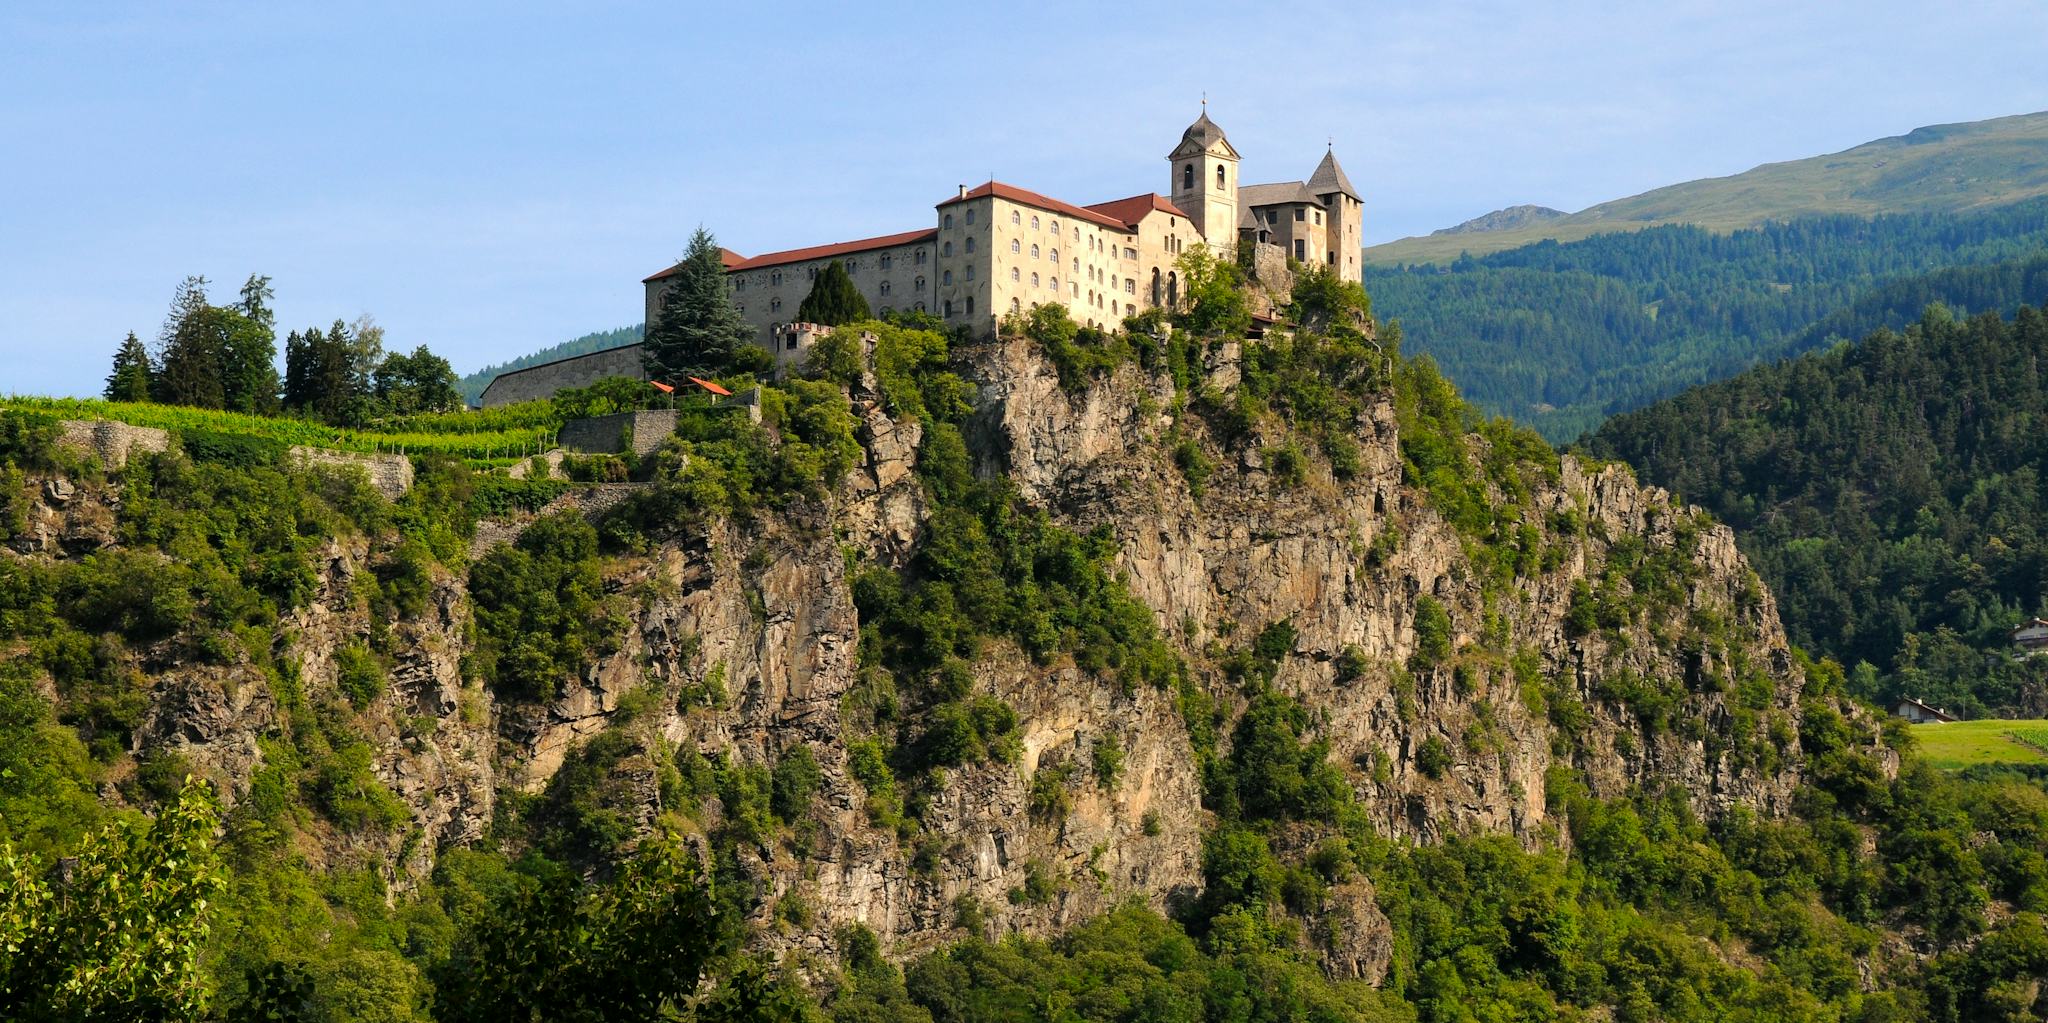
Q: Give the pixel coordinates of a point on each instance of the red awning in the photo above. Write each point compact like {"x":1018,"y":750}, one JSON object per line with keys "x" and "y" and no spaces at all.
{"x":709,"y":386}
{"x":663,"y":388}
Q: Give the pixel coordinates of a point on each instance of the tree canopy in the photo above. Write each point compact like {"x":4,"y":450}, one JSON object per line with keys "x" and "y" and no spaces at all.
{"x":833,"y":299}
{"x":699,"y":332}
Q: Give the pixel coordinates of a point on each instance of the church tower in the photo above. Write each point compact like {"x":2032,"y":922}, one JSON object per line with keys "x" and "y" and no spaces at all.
{"x":1204,"y":168}
{"x":1347,"y":216}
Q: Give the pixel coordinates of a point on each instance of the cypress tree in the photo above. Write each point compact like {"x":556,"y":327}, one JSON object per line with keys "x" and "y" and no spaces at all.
{"x":833,"y":299}
{"x":699,"y":332}
{"x":131,"y":376}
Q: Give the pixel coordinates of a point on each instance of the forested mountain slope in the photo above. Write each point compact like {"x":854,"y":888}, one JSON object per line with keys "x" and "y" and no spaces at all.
{"x":1157,"y":675}
{"x":1560,"y":336}
{"x":1892,"y":494}
{"x":1941,"y":168}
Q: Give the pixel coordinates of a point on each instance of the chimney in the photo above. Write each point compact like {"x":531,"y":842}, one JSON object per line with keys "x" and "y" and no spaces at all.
{"x":963,"y":191}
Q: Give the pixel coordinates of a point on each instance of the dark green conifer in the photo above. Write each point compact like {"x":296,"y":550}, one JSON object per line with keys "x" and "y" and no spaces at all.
{"x":699,"y":332}
{"x":833,"y":299}
{"x":130,"y":379}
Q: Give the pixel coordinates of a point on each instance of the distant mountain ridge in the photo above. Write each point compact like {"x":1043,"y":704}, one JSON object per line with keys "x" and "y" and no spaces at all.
{"x":1935,"y":169}
{"x":1504,"y":220}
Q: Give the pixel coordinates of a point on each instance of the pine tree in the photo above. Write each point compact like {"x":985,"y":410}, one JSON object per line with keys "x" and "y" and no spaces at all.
{"x":189,"y":365}
{"x":130,"y":379}
{"x":833,"y":299}
{"x":699,"y":332}
{"x":249,"y":351}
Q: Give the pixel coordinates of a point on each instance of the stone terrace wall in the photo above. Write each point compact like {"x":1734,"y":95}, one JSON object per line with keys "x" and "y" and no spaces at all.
{"x":390,"y":474}
{"x":640,"y":432}
{"x":110,"y":441}
{"x":542,"y":381}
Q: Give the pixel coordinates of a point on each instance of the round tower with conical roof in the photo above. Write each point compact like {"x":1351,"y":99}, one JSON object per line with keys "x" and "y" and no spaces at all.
{"x":1204,"y":168}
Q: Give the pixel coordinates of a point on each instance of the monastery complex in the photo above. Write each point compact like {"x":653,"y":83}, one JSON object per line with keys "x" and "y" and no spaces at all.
{"x":997,"y":249}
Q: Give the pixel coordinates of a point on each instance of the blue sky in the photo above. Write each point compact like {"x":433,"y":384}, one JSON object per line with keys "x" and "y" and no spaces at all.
{"x":487,"y":179}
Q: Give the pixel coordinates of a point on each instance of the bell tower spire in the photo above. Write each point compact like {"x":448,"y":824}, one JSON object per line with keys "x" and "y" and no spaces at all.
{"x":1204,"y":185}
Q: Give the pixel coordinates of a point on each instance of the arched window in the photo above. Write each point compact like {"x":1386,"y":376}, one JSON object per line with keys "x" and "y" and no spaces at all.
{"x":946,"y":277}
{"x":946,"y":249}
{"x":774,"y":304}
{"x":1055,"y":255}
{"x":886,"y":310}
{"x":1034,"y":252}
{"x":886,"y":260}
{"x":970,"y":271}
{"x":1172,"y":288}
{"x":1155,"y":286}
{"x":742,"y":310}
{"x":739,"y":284}
{"x":1219,"y":177}
{"x":1034,"y":223}
{"x":852,"y":265}
{"x":1187,"y":178}
{"x":949,"y":220}
{"x":1016,"y":274}
{"x":1034,"y":280}
{"x":1130,"y":310}
{"x":970,"y":219}
{"x":1077,"y":264}
{"x":1055,"y":283}
{"x":1055,"y":228}
{"x":1077,"y":234}
{"x":811,"y":272}
{"x":920,"y":284}
{"x":949,"y":307}
{"x":1015,"y":217}
{"x":970,"y":305}
{"x":1016,"y":246}
{"x":920,"y":307}
{"x":1016,"y":306}
{"x":920,"y":257}
{"x":970,"y":243}
{"x":885,"y":287}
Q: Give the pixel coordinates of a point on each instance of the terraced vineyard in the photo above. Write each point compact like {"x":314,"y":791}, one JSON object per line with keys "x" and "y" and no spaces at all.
{"x":497,"y":437}
{"x":1955,"y":745}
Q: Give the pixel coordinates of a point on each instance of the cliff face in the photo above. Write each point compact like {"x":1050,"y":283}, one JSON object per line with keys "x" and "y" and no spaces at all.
{"x":767,"y":608}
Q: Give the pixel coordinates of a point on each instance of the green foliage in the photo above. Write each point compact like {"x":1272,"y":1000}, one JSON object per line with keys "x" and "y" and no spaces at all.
{"x":541,"y":612}
{"x":1432,"y":633}
{"x":833,"y":299}
{"x":1888,"y":492}
{"x":795,"y":782}
{"x":132,"y":375}
{"x":1433,"y":757}
{"x":698,"y":331}
{"x":121,"y":932}
{"x":1213,"y":290}
{"x":1107,"y":757}
{"x":636,"y":947}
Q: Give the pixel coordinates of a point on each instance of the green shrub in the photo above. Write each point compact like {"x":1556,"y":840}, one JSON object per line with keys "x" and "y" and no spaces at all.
{"x":1433,"y":758}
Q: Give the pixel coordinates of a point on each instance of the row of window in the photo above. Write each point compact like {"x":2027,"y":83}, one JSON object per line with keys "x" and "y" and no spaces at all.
{"x":1300,"y":214}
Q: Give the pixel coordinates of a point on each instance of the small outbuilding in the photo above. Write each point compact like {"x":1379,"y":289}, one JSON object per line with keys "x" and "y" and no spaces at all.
{"x":2031,"y":638}
{"x":1918,"y":712}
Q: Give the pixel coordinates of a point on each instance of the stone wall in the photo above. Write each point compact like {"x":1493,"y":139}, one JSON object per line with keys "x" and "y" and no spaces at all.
{"x":638,"y":432}
{"x":390,"y":474}
{"x":536,"y":382}
{"x":110,"y":441}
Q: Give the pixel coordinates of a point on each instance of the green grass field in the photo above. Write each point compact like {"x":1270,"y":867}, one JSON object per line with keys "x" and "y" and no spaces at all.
{"x":1959,"y":744}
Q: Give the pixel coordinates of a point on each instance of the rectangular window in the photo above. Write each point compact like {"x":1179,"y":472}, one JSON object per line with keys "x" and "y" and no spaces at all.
{"x":1300,"y":248}
{"x":1333,"y":257}
{"x":1300,"y":214}
{"x":1319,"y":216}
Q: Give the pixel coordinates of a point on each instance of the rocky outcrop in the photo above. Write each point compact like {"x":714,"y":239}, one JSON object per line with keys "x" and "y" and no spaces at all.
{"x":762,"y":612}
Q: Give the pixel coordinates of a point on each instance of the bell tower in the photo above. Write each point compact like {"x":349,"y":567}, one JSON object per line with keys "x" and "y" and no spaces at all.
{"x":1204,"y":169}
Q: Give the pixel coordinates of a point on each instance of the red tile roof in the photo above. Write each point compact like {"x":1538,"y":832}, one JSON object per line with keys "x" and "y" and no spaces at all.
{"x":836,"y":249}
{"x":1133,"y":209}
{"x":1030,"y":198}
{"x":727,"y":256}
